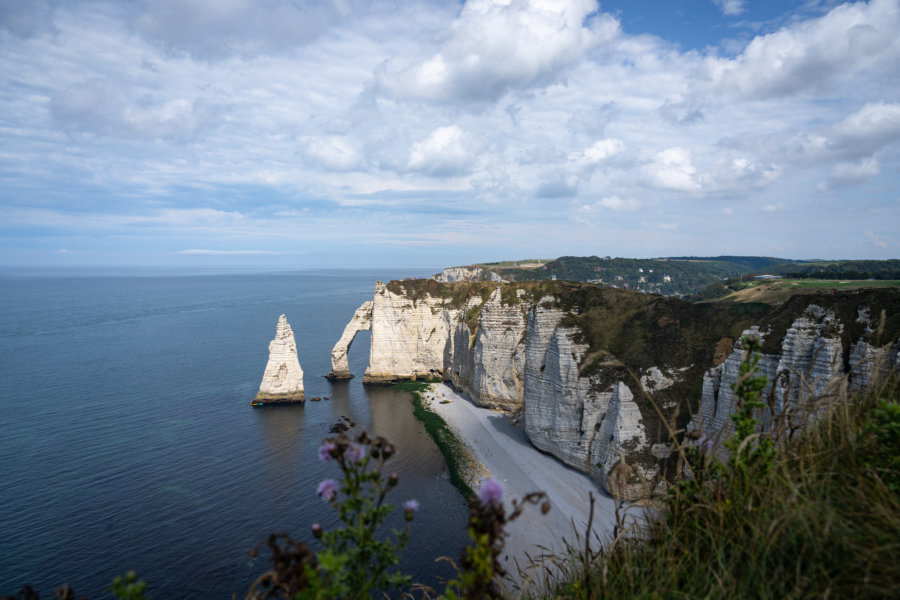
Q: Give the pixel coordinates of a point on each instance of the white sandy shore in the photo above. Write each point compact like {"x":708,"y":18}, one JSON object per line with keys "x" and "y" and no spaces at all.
{"x":506,"y":453}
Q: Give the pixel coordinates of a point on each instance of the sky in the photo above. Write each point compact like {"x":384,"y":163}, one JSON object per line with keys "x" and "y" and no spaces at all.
{"x":285,"y":133}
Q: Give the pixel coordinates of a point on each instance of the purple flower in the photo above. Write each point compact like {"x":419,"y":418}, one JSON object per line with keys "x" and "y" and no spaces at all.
{"x":355,"y":452}
{"x":325,"y":451}
{"x":409,"y":509}
{"x":328,"y":489}
{"x":491,"y":492}
{"x":704,"y":443}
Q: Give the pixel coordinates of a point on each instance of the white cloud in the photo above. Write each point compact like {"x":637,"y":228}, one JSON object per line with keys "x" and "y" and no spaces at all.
{"x":730,"y":7}
{"x":672,"y":169}
{"x":613,"y":203}
{"x":337,"y":153}
{"x":443,"y":153}
{"x":874,"y":125}
{"x":495,"y":47}
{"x":217,"y":29}
{"x":101,"y":106}
{"x":597,"y":152}
{"x":852,"y":173}
{"x":809,"y":54}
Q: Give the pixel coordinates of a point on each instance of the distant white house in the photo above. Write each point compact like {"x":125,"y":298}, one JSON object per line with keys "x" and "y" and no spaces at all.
{"x":667,"y":279}
{"x":765,"y":277}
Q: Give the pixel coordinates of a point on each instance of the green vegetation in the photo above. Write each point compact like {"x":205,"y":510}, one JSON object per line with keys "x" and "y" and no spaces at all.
{"x":701,"y":278}
{"x":813,"y":516}
{"x":455,"y":454}
{"x":775,"y":291}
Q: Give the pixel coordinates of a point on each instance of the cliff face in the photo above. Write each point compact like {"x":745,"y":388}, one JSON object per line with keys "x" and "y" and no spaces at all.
{"x":410,"y":335}
{"x":283,"y":378}
{"x":561,"y":354}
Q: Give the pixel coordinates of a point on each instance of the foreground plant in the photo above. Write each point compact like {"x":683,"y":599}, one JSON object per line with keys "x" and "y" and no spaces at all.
{"x":809,"y":516}
{"x":480,"y":568}
{"x":354,"y":562}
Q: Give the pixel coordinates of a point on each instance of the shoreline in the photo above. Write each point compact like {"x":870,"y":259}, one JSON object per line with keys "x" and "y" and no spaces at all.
{"x":504,"y":452}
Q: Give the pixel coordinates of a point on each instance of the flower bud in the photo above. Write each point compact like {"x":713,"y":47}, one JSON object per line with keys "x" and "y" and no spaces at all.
{"x":317,"y":531}
{"x":393,"y":479}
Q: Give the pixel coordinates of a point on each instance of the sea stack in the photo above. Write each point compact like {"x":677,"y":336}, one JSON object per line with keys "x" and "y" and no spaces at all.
{"x":283,"y":379}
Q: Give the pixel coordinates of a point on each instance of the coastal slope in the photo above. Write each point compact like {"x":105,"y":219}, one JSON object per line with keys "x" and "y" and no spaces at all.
{"x":602,"y":375}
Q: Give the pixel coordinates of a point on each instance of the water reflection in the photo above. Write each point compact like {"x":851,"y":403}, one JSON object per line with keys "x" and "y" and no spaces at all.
{"x":282,"y":433}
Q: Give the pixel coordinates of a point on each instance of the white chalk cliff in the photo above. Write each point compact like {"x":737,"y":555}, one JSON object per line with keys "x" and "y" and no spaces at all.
{"x":511,"y":350}
{"x":361,"y":321}
{"x":283,"y":378}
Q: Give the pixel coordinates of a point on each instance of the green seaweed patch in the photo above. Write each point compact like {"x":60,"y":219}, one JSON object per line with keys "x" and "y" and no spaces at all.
{"x":451,"y":448}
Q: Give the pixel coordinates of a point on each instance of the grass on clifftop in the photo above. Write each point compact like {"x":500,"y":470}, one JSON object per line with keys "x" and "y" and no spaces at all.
{"x":819,"y":520}
{"x":455,"y":454}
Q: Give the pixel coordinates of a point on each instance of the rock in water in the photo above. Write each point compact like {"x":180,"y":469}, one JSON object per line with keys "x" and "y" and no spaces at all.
{"x":283,"y":379}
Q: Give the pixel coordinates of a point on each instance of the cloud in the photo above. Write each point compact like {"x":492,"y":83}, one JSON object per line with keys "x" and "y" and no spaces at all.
{"x":217,"y":29}
{"x":672,"y":169}
{"x":560,"y":187}
{"x":852,"y":173}
{"x":730,"y":7}
{"x":812,"y":53}
{"x":873,"y":126}
{"x":613,"y":203}
{"x":104,"y":107}
{"x":597,"y":152}
{"x":337,"y":153}
{"x":443,"y":153}
{"x":495,"y":47}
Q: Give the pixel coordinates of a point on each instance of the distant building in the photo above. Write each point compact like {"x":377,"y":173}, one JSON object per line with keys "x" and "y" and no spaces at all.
{"x":766,"y":277}
{"x":642,"y":279}
{"x":667,"y":279}
{"x":640,"y":270}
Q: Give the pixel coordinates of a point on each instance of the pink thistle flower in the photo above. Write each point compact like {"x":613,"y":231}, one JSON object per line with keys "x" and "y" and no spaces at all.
{"x":326,"y":450}
{"x":491,"y":492}
{"x":327,"y":490}
{"x":355,"y":452}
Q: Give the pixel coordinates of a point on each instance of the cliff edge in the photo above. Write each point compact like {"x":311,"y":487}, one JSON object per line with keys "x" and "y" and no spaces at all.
{"x":601,"y":375}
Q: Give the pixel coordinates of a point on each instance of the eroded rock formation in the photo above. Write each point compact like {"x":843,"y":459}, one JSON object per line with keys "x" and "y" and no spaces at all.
{"x":583,"y":363}
{"x":361,"y":321}
{"x":283,"y":378}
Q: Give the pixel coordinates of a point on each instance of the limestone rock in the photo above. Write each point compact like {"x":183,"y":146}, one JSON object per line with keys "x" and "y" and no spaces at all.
{"x":283,"y":378}
{"x":361,"y":321}
{"x":809,"y":366}
{"x":498,"y":355}
{"x":410,"y":337}
{"x":453,"y":274}
{"x":523,"y":355}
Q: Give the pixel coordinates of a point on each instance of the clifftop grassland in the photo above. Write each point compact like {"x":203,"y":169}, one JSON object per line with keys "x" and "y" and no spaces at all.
{"x":684,"y":275}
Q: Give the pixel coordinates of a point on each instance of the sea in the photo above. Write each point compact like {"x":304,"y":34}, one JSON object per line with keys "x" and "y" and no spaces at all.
{"x":127,"y":439}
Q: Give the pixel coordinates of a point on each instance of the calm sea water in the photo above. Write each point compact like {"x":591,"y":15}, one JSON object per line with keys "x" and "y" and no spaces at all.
{"x":127,"y":440}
